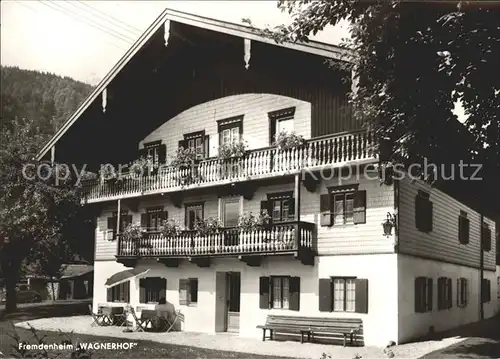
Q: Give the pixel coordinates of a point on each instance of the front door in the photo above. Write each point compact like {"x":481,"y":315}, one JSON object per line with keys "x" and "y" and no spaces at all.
{"x":233,"y":287}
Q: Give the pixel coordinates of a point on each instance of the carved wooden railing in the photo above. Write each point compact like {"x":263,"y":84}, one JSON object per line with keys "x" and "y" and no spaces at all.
{"x":274,"y":238}
{"x":317,"y":152}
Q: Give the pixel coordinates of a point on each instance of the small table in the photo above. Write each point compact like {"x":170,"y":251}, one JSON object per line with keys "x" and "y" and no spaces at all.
{"x":112,"y":315}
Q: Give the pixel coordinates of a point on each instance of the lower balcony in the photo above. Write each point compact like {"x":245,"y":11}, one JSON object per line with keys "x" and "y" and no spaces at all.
{"x":291,"y":238}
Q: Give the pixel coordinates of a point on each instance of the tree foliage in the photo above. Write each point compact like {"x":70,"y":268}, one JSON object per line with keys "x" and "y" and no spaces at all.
{"x":412,"y":61}
{"x":47,"y":99}
{"x":40,"y":208}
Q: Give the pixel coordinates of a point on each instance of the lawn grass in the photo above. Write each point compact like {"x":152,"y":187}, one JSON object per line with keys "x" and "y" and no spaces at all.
{"x":144,"y":349}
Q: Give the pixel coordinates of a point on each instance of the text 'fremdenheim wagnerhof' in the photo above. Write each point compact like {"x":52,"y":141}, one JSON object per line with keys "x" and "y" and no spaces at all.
{"x":85,"y":346}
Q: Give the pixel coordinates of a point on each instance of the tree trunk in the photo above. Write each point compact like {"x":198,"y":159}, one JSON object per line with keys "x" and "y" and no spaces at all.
{"x":53,"y":290}
{"x":10,"y":294}
{"x":11,"y":264}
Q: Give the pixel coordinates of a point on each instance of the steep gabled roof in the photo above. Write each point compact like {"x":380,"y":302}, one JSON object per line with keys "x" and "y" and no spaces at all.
{"x":313,"y":47}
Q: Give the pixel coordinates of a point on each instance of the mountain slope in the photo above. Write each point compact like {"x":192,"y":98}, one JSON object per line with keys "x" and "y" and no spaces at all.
{"x":48,"y":98}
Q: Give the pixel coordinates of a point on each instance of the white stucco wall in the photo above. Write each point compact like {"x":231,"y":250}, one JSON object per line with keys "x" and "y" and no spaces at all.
{"x":413,"y":325}
{"x":382,"y":296}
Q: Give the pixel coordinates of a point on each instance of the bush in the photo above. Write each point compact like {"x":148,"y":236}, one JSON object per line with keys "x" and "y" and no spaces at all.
{"x":232,"y":150}
{"x":286,"y":141}
{"x":170,"y":228}
{"x":207,"y":226}
{"x":133,"y":232}
{"x":250,"y":222}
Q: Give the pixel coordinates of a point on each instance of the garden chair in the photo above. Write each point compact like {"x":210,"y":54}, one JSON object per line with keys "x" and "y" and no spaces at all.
{"x":140,"y":324}
{"x":98,"y":319}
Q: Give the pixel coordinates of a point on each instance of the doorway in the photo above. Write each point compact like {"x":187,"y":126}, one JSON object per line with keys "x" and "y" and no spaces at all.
{"x":233,"y":291}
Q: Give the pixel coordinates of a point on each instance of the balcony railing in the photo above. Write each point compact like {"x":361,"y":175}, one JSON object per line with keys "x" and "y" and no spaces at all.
{"x":270,"y":239}
{"x":268,"y":162}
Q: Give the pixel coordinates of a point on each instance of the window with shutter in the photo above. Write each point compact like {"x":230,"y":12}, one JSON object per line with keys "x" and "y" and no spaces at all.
{"x":486,"y":236}
{"x":264,"y":297}
{"x":280,"y":121}
{"x":183,"y":291}
{"x":423,"y":294}
{"x":423,"y":212}
{"x":343,"y":205}
{"x":196,"y":142}
{"x":463,"y":228}
{"x":462,"y":293}
{"x":152,"y":289}
{"x":155,"y":151}
{"x":325,"y":212}
{"x":444,"y":293}
{"x":193,"y":214}
{"x":119,"y":293}
{"x":230,"y":130}
{"x":280,"y":292}
{"x":344,"y":294}
{"x":281,"y":206}
{"x":154,"y":218}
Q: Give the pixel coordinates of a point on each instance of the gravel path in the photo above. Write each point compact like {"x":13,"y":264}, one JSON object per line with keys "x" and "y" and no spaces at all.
{"x":231,"y":342}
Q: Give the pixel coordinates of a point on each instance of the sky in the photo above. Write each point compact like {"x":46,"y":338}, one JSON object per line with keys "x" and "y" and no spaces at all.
{"x":84,"y":39}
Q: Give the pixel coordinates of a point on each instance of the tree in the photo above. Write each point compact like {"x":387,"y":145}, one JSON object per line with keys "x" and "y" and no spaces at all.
{"x":411,"y":62}
{"x":36,"y":204}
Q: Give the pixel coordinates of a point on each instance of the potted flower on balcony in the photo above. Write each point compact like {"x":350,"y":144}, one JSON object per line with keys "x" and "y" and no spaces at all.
{"x":110,"y":175}
{"x":288,"y":140}
{"x":184,"y":163}
{"x":232,"y":150}
{"x":132,"y":234}
{"x":170,"y":229}
{"x":249,"y":221}
{"x":142,"y":166}
{"x":207,"y":226}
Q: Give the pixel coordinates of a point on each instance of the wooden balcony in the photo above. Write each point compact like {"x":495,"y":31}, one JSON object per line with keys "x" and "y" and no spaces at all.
{"x":294,"y":238}
{"x":335,"y":151}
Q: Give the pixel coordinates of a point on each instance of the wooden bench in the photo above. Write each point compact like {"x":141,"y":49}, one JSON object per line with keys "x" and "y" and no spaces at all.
{"x":351,"y":328}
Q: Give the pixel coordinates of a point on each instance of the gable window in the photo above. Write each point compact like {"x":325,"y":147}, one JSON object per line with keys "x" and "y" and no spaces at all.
{"x":279,"y":292}
{"x":153,"y":218}
{"x":119,"y":293}
{"x":280,"y":206}
{"x":281,"y":121}
{"x":194,"y":213}
{"x":125,"y":220}
{"x":230,"y":130}
{"x":462,"y":292}
{"x":444,"y":293}
{"x":486,"y":237}
{"x":423,"y":212}
{"x":152,"y":289}
{"x":463,"y":228}
{"x":343,"y":205}
{"x":423,"y":294}
{"x":197,"y":142}
{"x":343,"y":294}
{"x":188,"y":291}
{"x":486,"y":290}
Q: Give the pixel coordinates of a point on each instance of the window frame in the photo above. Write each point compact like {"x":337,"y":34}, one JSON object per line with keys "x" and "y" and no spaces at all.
{"x":193,"y":136}
{"x":281,"y":279}
{"x":445,"y":293}
{"x":189,"y":285}
{"x":149,"y":288}
{"x":359,"y":205}
{"x":228,"y":124}
{"x":462,"y":292}
{"x":427,"y":304}
{"x":276,"y":116}
{"x":155,"y":148}
{"x":158,"y":213}
{"x":344,"y":299}
{"x":281,"y":197}
{"x":118,"y":293}
{"x":187,"y":207}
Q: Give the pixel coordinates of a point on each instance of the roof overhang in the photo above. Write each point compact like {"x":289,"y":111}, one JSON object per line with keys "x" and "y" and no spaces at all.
{"x":312,"y":47}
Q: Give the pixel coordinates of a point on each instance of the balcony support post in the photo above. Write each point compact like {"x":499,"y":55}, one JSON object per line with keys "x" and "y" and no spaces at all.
{"x":118,"y":216}
{"x":297,"y":196}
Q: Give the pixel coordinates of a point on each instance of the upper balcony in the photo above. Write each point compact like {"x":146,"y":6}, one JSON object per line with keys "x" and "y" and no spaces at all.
{"x":332,"y":151}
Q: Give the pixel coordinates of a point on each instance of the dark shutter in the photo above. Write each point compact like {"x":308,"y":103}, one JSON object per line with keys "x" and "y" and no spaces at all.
{"x":142,"y":290}
{"x":294,"y":293}
{"x":126,"y":289}
{"x":184,"y":287}
{"x":458,"y":292}
{"x":418,"y":295}
{"x":291,"y":208}
{"x":463,"y":229}
{"x":162,"y":153}
{"x":272,"y":131}
{"x":440,"y":295}
{"x":325,"y":294}
{"x":163,"y":288}
{"x":109,"y":295}
{"x":419,"y":208}
{"x":429,"y":293}
{"x":429,"y":215}
{"x":450,"y":294}
{"x":324,"y":208}
{"x":486,"y":239}
{"x":264,"y":298}
{"x":182,"y":143}
{"x":206,"y":146}
{"x":144,"y":220}
{"x":112,"y":226}
{"x":361,"y":295}
{"x":164,"y":216}
{"x":143,"y":153}
{"x":359,"y":207}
